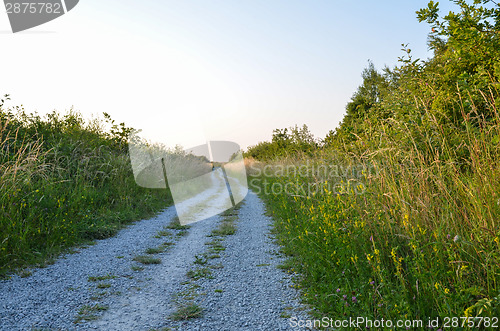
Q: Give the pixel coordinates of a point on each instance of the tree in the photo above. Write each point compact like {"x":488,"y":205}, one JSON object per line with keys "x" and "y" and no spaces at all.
{"x":365,"y":104}
{"x":285,"y":142}
{"x":466,"y":59}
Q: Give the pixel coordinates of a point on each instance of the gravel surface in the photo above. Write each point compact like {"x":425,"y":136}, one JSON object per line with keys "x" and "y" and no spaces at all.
{"x":256,"y":295}
{"x":246,"y":290}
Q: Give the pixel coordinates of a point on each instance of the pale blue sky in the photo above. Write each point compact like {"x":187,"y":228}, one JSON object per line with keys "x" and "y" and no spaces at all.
{"x":195,"y":70}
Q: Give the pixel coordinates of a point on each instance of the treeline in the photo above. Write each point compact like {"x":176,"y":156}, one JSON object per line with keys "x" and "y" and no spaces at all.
{"x":455,"y":91}
{"x":64,"y":181}
{"x":414,"y":231}
{"x":285,"y":142}
{"x":452,"y":95}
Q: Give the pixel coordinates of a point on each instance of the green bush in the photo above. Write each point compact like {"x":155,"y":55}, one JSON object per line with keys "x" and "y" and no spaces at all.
{"x":64,"y":181}
{"x":405,"y":221}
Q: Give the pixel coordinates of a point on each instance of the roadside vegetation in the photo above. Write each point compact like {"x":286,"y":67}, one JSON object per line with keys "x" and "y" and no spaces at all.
{"x":64,"y":181}
{"x":395,"y":214}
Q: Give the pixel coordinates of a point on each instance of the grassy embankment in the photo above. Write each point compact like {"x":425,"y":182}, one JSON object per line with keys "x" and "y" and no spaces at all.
{"x":64,"y":181}
{"x":390,"y":233}
{"x":395,"y":214}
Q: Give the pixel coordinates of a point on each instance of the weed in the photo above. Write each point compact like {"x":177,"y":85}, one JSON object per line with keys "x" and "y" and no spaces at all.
{"x":199,"y":273}
{"x":216,"y":246}
{"x":201,"y":260}
{"x":176,"y":225}
{"x":100,"y":278}
{"x":216,"y":266}
{"x":224,"y":229}
{"x":230,"y":212}
{"x":287,"y":265}
{"x":187,"y":311}
{"x":144,"y":259}
{"x":98,"y":296}
{"x":285,"y":314}
{"x":181,"y":233}
{"x":137,"y":268}
{"x":162,"y":233}
{"x":103,"y":285}
{"x":88,"y":312}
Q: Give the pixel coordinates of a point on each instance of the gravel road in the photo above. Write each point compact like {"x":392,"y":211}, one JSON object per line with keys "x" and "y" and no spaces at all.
{"x":101,"y":287}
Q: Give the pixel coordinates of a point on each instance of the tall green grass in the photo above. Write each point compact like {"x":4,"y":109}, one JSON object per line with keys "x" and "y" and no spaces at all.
{"x":63,"y":181}
{"x":405,"y":228}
